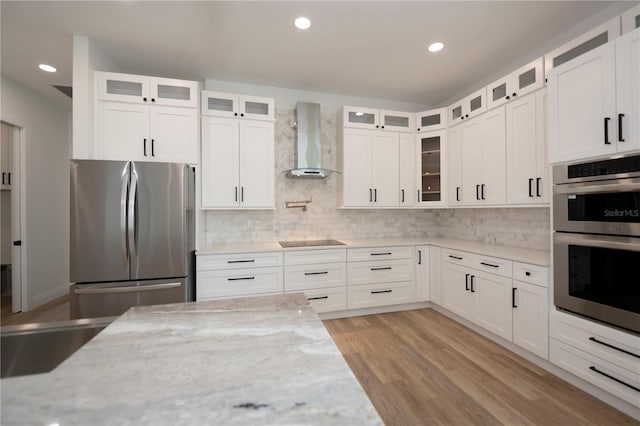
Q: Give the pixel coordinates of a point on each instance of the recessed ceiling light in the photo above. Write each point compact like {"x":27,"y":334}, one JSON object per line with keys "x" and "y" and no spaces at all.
{"x":435,"y":47}
{"x":47,"y":68}
{"x":302,"y":23}
{"x":359,"y":113}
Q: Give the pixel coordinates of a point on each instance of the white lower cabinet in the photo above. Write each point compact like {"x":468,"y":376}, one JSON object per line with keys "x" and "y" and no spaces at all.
{"x":330,"y":299}
{"x":531,"y":318}
{"x":492,"y":308}
{"x":371,"y":295}
{"x":604,"y":356}
{"x":423,"y":280}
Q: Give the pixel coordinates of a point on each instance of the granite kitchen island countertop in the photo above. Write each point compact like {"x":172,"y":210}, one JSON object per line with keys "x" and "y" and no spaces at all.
{"x":258,"y":360}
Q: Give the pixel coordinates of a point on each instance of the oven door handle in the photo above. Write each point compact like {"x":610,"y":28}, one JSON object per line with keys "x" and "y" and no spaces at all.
{"x":594,"y":189}
{"x":615,"y":243}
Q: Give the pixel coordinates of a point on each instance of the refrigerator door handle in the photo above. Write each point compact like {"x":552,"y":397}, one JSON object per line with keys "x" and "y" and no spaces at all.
{"x":123,"y":218}
{"x":131,"y":219}
{"x":131,"y":289}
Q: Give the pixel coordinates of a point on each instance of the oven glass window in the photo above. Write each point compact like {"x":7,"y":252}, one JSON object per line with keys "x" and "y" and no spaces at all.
{"x":608,"y":207}
{"x":605,"y":276}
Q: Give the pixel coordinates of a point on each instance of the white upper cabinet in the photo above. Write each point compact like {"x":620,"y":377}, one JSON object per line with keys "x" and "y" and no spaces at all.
{"x":233,"y":105}
{"x":435,"y":119}
{"x":593,"y":102}
{"x":366,"y":118}
{"x":147,"y":90}
{"x":454,"y":172}
{"x":631,"y":19}
{"x":469,"y":107}
{"x":431,"y":167}
{"x":408,"y":183}
{"x":524,"y":80}
{"x":170,"y":128}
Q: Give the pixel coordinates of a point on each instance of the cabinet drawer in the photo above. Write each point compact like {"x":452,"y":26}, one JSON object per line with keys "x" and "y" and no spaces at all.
{"x":239,"y":260}
{"x":238,"y":282}
{"x":533,"y":274}
{"x":596,"y":371}
{"x":327,"y":299}
{"x":305,"y":257}
{"x":458,"y":257}
{"x":366,"y":296}
{"x":493,"y":265}
{"x":379,"y":253}
{"x":380,"y":272}
{"x":598,"y":340}
{"x":301,"y":277}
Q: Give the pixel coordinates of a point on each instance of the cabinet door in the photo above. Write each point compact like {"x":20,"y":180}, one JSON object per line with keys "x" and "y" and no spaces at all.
{"x":174,"y":134}
{"x":169,"y":91}
{"x":122,"y":87}
{"x":582,"y":106}
{"x":494,"y":170}
{"x":360,"y":118}
{"x":256,"y":108}
{"x":531,"y":318}
{"x":430,"y":164}
{"x":522,"y":144}
{"x":475,"y":103}
{"x":220,"y":161}
{"x":435,"y":278}
{"x":471,"y":137}
{"x":357,"y":180}
{"x":123,"y":131}
{"x":499,"y":92}
{"x":456,"y":113}
{"x":492,"y":300}
{"x":408,"y":183}
{"x":386,"y":169}
{"x":456,"y":295}
{"x":6,"y":159}
{"x":434,"y":119}
{"x":527,"y":78}
{"x":422,"y":273}
{"x":628,"y":91}
{"x":543,"y":174}
{"x":257,"y":167}
{"x":396,"y":121}
{"x":219,"y":104}
{"x":455,"y":166}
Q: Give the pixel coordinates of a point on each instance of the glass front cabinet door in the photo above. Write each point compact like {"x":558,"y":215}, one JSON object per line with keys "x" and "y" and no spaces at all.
{"x":428,"y":121}
{"x":524,"y":80}
{"x":431,"y":157}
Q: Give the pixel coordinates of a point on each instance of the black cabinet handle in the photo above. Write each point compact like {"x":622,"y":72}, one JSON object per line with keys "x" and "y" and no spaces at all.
{"x":370,"y":195}
{"x":513,"y":298}
{"x":606,"y":131}
{"x":530,"y":190}
{"x":457,"y":193}
{"x":527,"y":273}
{"x":462,"y":117}
{"x":144,"y":146}
{"x":317,"y":273}
{"x":241,"y":279}
{"x":236,"y":191}
{"x":241,"y":261}
{"x":153,"y":99}
{"x":402,"y":190}
{"x":377,"y":127}
{"x":477,"y":192}
{"x":235,"y":114}
{"x":17,"y":243}
{"x":388,"y":253}
{"x":242,"y":114}
{"x":385,"y":268}
{"x":592,"y":368}
{"x":381,"y":291}
{"x":482,"y":191}
{"x":514,"y":94}
{"x":466,"y":115}
{"x":3,"y":174}
{"x":375,"y":195}
{"x":419,"y":257}
{"x":507,"y":98}
{"x":466,"y":282}
{"x":144,"y":99}
{"x":473,"y":290}
{"x":382,"y":127}
{"x":9,"y":178}
{"x":153,"y":148}
{"x":538,"y":180}
{"x":593,"y":339}
{"x":620,"y":138}
{"x":419,"y":195}
{"x":317,"y":297}
{"x":455,"y":257}
{"x":242,"y":194}
{"x":489,"y":264}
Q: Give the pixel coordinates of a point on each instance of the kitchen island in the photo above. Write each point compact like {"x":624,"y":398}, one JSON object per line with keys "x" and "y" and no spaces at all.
{"x":258,"y":360}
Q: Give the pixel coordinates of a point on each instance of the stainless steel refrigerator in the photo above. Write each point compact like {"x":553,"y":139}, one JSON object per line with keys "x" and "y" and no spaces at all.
{"x":132,"y":235}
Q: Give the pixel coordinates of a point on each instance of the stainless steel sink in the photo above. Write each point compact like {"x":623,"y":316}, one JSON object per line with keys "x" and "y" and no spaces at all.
{"x":41,"y":347}
{"x":309,"y":243}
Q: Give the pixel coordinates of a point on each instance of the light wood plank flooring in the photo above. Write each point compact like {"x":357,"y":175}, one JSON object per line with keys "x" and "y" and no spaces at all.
{"x":56,"y":310}
{"x":422,"y":368}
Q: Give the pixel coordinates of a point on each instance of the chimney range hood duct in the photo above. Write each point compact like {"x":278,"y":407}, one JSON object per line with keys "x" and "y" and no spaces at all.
{"x":308,"y":150}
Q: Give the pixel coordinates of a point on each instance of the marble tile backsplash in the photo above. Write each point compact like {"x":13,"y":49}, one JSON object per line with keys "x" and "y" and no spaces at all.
{"x":528,"y":228}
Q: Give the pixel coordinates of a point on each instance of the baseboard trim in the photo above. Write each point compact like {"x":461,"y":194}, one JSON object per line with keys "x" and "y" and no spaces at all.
{"x":372,"y":311}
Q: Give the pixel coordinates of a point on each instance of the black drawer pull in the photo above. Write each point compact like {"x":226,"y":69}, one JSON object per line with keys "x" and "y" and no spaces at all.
{"x":382,"y":254}
{"x":593,"y":339}
{"x":381,"y":291}
{"x":513,"y":298}
{"x":317,"y":273}
{"x":455,"y":257}
{"x":473,"y":290}
{"x":317,"y":298}
{"x":528,"y":273}
{"x":241,"y":261}
{"x":592,"y":368}
{"x":489,"y":264}
{"x":466,"y":282}
{"x":606,"y":131}
{"x":386,"y":268}
{"x":241,"y":279}
{"x":419,"y":257}
{"x":620,"y":138}
{"x":538,"y":187}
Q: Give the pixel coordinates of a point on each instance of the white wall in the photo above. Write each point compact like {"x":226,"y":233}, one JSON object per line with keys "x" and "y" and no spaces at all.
{"x":46,"y":177}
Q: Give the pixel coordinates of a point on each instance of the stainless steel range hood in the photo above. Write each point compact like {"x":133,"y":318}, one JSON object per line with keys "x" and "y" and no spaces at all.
{"x":308,"y":148}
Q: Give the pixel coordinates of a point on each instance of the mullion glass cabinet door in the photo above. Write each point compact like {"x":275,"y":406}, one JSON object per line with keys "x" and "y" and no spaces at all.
{"x":476,"y":103}
{"x":172,"y":92}
{"x":397,"y":121}
{"x":362,"y":118}
{"x":528,"y":78}
{"x":256,"y":108}
{"x":219,"y":104}
{"x":430,"y":166}
{"x":499,"y":92}
{"x":122,"y":87}
{"x":434,"y":119}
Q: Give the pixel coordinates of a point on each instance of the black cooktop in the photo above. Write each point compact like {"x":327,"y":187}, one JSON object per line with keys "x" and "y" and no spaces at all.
{"x":310,"y":243}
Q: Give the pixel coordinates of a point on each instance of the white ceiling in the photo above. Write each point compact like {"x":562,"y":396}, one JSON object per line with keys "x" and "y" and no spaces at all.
{"x":360,"y":48}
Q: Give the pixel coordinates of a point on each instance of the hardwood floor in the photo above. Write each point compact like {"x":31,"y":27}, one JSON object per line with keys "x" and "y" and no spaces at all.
{"x":420,"y":367}
{"x":56,"y":310}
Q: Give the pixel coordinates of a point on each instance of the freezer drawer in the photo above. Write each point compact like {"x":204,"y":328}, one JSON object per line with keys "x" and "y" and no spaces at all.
{"x":108,"y":299}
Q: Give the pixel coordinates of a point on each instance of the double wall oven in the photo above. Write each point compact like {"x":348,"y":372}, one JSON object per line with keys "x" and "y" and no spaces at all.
{"x":596,"y":219}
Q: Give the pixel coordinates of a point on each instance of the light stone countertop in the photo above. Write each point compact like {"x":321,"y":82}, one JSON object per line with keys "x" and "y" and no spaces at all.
{"x":534,"y":257}
{"x":258,"y":360}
